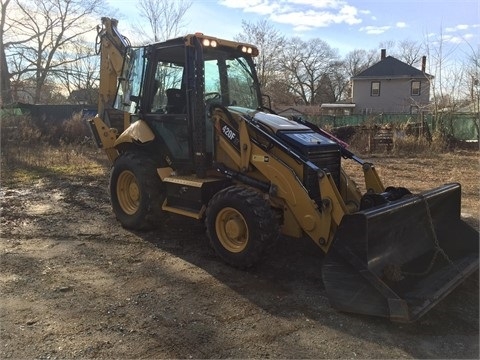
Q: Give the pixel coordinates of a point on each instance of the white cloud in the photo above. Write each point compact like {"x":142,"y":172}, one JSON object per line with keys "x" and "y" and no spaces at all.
{"x":457,"y":39}
{"x":319,"y":4}
{"x":301,"y":14}
{"x":301,"y":28}
{"x":261,"y":7}
{"x":307,"y":19}
{"x":457,"y":28}
{"x":453,"y":39}
{"x":375,"y":30}
{"x":240,"y":4}
{"x":315,"y":19}
{"x":349,"y":15}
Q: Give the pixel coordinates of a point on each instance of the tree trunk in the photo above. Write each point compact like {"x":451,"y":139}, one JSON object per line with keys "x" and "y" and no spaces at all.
{"x":5,"y":91}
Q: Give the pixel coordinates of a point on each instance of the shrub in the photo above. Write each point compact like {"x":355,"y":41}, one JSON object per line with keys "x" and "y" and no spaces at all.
{"x":75,"y":129}
{"x":22,"y":128}
{"x":19,"y":128}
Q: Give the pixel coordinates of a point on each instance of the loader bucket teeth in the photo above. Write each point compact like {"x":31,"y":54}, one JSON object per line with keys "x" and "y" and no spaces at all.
{"x":400,"y":259}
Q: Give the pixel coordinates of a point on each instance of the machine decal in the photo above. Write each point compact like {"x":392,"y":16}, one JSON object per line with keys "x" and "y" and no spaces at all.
{"x":230,"y":134}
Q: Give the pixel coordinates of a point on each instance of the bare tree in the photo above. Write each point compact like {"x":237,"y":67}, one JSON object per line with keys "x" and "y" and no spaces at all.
{"x":42,"y":34}
{"x":269,"y":41}
{"x":473,"y":81}
{"x":354,"y":63}
{"x":388,"y":45}
{"x":408,"y":51}
{"x":5,"y":92}
{"x":446,"y":83}
{"x":325,"y":92}
{"x":304,"y":65}
{"x":280,"y":92}
{"x":80,"y":78}
{"x":358,"y":60}
{"x":165,"y":18}
{"x":339,"y":82}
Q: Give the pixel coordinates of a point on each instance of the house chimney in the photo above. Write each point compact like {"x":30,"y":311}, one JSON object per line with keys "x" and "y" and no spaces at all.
{"x":424,"y":63}
{"x":383,"y":54}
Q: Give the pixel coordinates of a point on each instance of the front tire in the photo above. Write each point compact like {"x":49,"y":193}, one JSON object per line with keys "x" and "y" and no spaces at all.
{"x":240,"y":225}
{"x":136,"y":191}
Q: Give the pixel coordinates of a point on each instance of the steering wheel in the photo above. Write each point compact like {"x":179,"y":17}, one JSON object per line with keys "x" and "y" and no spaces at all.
{"x":211,"y":96}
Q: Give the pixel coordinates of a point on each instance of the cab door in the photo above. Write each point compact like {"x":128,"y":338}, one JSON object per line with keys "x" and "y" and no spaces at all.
{"x":165,"y":104}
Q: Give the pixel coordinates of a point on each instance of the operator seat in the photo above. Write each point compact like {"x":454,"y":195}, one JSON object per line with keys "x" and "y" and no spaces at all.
{"x":176,"y":101}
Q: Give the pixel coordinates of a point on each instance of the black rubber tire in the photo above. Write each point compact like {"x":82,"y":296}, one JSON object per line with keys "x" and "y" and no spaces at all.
{"x":241,"y":225}
{"x":137,"y":192}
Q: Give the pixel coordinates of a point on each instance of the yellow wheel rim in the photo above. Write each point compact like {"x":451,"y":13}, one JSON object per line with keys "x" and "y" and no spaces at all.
{"x":232,"y":230}
{"x":128,"y":192}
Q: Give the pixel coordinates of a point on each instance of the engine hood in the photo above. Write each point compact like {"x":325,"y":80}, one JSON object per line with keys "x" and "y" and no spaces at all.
{"x":271,"y":121}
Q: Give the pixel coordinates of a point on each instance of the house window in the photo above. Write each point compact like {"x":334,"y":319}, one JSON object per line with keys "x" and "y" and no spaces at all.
{"x":375,"y":88}
{"x":415,"y":91}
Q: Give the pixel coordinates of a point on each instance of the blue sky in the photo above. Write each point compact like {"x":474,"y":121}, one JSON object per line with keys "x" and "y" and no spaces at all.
{"x":344,"y":24}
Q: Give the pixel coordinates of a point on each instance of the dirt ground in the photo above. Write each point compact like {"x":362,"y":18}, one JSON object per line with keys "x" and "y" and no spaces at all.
{"x":75,"y":284}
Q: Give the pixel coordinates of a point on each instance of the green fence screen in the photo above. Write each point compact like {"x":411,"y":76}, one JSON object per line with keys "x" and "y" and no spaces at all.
{"x":460,"y":126}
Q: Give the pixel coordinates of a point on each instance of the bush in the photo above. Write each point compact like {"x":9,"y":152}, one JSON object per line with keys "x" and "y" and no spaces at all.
{"x":404,"y":141}
{"x":75,"y":130}
{"x":22,"y":128}
{"x":28,"y":153}
{"x":410,"y":145}
{"x":19,"y":128}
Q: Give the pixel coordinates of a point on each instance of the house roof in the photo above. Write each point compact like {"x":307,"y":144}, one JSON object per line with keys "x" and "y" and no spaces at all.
{"x":391,"y":67}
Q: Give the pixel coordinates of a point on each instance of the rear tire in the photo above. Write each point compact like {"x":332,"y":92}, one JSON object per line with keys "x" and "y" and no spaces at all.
{"x":240,"y":225}
{"x":136,"y":191}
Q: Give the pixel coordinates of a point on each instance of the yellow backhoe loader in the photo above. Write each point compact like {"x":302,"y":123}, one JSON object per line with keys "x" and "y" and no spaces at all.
{"x":185,"y":127}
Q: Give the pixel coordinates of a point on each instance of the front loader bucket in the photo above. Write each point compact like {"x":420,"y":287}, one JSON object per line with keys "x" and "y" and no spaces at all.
{"x":400,"y":259}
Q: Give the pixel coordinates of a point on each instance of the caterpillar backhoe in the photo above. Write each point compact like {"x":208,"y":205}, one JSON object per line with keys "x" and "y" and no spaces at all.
{"x":187,"y":131}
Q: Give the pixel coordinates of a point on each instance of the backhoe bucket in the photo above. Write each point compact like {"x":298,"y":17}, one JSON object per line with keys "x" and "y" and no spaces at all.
{"x":400,"y":259}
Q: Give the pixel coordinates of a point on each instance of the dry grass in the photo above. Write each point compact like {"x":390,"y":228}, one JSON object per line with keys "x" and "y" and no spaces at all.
{"x":23,"y":162}
{"x":414,"y":163}
{"x":27,"y":154}
{"x":421,"y":162}
{"x":427,"y":170}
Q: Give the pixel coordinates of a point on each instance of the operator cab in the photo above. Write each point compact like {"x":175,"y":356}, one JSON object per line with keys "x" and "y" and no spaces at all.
{"x":171,"y":85}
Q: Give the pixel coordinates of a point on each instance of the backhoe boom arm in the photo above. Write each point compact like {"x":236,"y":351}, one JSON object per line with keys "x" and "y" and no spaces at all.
{"x":113,"y":48}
